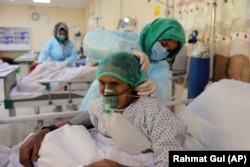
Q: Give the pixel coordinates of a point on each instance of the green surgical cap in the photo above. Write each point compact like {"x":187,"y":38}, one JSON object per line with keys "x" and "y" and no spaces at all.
{"x":159,"y":29}
{"x":123,"y":66}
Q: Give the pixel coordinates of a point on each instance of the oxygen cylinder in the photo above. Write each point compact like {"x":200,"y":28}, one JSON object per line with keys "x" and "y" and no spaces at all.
{"x":198,"y":74}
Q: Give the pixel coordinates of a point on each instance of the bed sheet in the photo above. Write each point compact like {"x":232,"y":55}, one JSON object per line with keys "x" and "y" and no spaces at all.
{"x":219,"y":117}
{"x":74,"y":146}
{"x":28,"y":87}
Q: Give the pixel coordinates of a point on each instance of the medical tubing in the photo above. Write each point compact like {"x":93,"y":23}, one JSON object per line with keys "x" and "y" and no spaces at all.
{"x":179,"y":93}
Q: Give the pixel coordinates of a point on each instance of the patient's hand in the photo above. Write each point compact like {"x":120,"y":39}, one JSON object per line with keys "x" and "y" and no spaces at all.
{"x":29,"y":149}
{"x":105,"y":163}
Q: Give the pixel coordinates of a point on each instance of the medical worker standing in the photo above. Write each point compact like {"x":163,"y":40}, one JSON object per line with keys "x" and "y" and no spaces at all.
{"x":59,"y":48}
{"x":158,"y":42}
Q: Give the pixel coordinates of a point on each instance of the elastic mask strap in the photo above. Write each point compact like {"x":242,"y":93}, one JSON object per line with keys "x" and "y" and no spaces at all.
{"x":125,"y":90}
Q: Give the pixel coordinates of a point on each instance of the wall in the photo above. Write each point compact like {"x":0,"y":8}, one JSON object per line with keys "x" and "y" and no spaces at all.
{"x":42,"y":30}
{"x":111,"y":11}
{"x":108,"y":12}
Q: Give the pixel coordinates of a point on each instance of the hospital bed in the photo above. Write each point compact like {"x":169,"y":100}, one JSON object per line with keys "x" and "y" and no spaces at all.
{"x":67,"y":97}
{"x":218,"y":119}
{"x":51,"y":85}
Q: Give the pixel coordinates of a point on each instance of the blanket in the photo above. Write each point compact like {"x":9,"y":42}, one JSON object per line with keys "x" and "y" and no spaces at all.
{"x":219,"y":117}
{"x":76,"y":146}
{"x":28,"y":87}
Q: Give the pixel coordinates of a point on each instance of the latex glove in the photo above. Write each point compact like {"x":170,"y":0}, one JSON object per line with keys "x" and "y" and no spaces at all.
{"x":147,"y":88}
{"x":29,"y":149}
{"x":144,"y":61}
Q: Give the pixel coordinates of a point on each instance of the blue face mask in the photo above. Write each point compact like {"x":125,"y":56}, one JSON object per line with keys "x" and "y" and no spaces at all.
{"x":61,"y":37}
{"x":158,"y":52}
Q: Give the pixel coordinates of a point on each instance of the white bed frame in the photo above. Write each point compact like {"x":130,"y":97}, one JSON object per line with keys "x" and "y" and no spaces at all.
{"x":40,"y":118}
{"x":68,"y":97}
{"x":66,"y":114}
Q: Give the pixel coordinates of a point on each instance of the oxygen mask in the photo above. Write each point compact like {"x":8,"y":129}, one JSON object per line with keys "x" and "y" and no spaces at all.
{"x":110,"y":98}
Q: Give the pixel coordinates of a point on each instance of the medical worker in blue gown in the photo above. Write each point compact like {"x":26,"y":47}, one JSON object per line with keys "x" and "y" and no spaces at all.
{"x":158,"y":41}
{"x":59,"y":48}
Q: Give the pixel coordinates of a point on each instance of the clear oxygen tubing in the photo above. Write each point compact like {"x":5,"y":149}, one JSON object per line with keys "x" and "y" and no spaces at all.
{"x":180,"y":92}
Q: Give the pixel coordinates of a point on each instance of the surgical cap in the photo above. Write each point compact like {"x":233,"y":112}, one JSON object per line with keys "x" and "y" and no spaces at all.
{"x":123,"y":66}
{"x":160,"y":29}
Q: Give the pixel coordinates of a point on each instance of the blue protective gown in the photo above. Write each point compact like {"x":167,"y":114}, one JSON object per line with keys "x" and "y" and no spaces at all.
{"x":98,"y":43}
{"x":53,"y":50}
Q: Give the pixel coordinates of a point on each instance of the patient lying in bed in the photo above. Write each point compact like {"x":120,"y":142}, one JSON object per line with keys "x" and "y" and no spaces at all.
{"x":129,"y":130}
{"x":29,"y":87}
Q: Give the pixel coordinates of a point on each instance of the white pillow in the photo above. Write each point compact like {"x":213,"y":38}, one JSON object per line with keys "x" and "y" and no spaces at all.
{"x":236,"y":84}
{"x":219,"y":117}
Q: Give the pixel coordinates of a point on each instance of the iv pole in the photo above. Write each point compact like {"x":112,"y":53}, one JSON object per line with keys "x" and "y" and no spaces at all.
{"x":212,"y":41}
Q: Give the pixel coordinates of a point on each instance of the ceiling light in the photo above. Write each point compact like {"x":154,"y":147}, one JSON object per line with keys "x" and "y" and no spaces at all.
{"x":41,"y":1}
{"x":126,"y":19}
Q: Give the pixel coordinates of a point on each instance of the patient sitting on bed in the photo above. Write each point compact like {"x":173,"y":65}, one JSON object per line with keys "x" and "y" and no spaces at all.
{"x":129,"y":130}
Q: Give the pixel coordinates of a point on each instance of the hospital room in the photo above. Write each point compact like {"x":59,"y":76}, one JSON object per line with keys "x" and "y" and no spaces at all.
{"x":122,"y":82}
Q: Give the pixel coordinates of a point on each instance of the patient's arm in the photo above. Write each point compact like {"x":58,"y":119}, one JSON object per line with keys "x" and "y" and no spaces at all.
{"x":105,"y":163}
{"x":29,"y":149}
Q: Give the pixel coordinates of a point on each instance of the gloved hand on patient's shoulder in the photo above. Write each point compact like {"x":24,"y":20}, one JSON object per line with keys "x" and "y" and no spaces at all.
{"x":147,"y":88}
